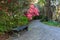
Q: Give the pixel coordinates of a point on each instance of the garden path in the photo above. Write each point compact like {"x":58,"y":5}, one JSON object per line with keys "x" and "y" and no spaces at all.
{"x":39,"y":31}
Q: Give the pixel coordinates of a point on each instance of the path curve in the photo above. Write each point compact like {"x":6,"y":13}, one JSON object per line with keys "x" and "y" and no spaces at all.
{"x":40,"y":31}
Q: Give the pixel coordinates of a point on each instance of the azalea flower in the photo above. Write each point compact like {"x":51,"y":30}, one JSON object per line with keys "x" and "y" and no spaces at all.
{"x":32,"y":6}
{"x":36,"y":11}
{"x":32,"y":11}
{"x":29,"y":16}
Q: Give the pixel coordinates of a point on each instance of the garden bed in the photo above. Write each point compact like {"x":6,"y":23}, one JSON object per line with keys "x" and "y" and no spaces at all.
{"x":4,"y":36}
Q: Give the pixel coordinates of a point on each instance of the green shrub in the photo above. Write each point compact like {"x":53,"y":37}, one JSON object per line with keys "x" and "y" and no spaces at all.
{"x":11,"y":14}
{"x":7,"y":23}
{"x":23,"y":20}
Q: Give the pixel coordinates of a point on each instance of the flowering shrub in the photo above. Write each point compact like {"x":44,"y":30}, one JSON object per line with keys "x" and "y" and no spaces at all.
{"x":11,"y":14}
{"x":32,"y":11}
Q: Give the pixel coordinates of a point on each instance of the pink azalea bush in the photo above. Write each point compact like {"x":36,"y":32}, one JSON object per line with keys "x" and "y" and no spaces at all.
{"x":32,"y":11}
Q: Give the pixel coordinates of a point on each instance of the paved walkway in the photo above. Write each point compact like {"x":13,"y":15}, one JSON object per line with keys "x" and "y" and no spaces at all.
{"x":39,"y":31}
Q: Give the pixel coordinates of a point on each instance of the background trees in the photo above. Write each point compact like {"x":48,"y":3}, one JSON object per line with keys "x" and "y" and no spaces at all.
{"x":48,"y":8}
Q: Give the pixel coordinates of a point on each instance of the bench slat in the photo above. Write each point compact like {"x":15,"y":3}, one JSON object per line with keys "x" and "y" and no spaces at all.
{"x":19,"y":28}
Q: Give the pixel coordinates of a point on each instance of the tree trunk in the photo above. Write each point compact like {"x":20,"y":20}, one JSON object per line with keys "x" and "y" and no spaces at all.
{"x":48,"y":9}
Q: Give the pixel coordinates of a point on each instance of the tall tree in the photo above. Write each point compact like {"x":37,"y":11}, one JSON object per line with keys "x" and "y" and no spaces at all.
{"x":48,"y":9}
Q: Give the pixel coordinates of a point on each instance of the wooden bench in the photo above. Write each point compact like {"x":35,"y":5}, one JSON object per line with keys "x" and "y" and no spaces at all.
{"x":18,"y":30}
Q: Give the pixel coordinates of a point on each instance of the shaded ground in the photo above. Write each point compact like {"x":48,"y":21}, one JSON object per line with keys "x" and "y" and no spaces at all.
{"x":39,"y":31}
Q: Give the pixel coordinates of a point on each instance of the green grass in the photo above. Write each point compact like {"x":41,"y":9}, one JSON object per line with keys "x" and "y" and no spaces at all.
{"x":52,"y":23}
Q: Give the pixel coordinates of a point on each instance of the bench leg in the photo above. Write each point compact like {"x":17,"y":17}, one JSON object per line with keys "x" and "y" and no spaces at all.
{"x":26,"y":28}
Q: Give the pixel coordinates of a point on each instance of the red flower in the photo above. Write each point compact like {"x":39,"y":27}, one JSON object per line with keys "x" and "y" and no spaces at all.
{"x":9,"y":1}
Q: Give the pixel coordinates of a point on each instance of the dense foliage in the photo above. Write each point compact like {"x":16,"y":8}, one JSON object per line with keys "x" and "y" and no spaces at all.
{"x":11,"y":14}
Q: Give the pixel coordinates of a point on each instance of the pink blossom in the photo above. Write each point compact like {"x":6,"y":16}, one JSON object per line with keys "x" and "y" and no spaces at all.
{"x":29,"y":16}
{"x":36,"y":11}
{"x":32,"y":11}
{"x":32,"y":6}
